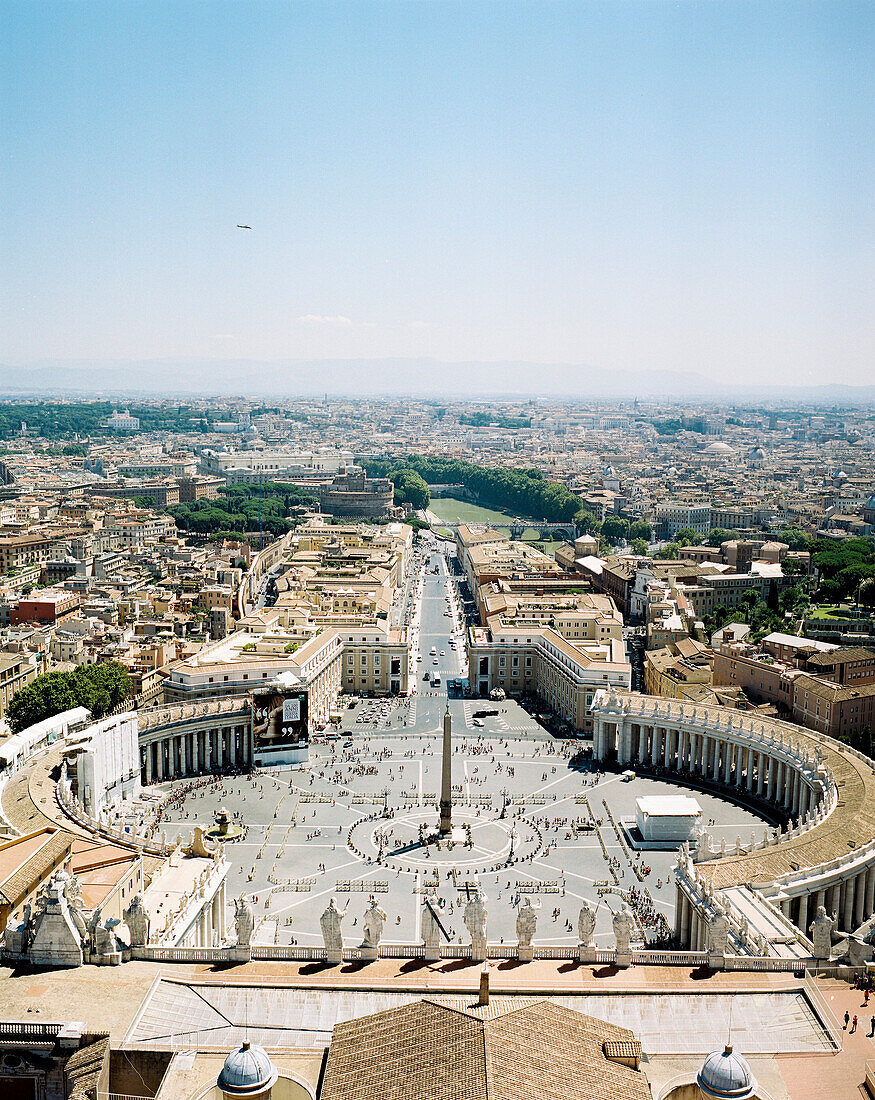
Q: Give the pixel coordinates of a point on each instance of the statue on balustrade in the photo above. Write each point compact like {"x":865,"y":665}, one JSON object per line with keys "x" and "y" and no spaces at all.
{"x":375,"y":918}
{"x":526,"y":922}
{"x":623,"y":923}
{"x":137,"y":920}
{"x":244,"y":920}
{"x":332,"y":932}
{"x":475,"y":921}
{"x":821,"y":933}
{"x":585,"y":925}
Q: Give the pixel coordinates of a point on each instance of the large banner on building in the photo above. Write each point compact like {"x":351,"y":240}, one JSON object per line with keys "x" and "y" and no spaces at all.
{"x":279,"y":720}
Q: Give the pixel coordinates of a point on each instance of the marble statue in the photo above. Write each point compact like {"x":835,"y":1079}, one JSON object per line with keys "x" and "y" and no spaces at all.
{"x":821,"y":933}
{"x":137,"y":920}
{"x":585,"y":925}
{"x":332,"y":933}
{"x":475,"y":921}
{"x":105,"y":939}
{"x":718,"y":935}
{"x":244,"y":920}
{"x":623,"y":924}
{"x":526,"y":922}
{"x":373,"y":922}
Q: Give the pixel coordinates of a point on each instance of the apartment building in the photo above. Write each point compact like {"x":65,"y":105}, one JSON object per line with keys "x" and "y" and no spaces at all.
{"x":528,"y":659}
{"x":678,"y":515}
{"x":17,"y":670}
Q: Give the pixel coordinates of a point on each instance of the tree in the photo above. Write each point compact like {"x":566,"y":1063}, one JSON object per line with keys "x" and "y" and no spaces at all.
{"x":686,"y":537}
{"x":867,"y":592}
{"x":668,"y":552}
{"x":718,"y":535}
{"x":794,"y":537}
{"x":99,"y":688}
{"x":585,"y":523}
{"x":793,"y":567}
{"x":640,"y":529}
{"x":639,"y":546}
{"x":615,"y":529}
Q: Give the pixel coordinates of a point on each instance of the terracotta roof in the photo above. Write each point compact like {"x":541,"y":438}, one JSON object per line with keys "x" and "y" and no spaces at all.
{"x":36,"y":867}
{"x":507,"y":1050}
{"x":842,"y":656}
{"x":83,"y":1069}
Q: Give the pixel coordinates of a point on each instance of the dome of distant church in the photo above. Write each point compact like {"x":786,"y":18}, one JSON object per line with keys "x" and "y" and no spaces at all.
{"x":756,"y":457}
{"x":609,"y":472}
{"x":719,"y":449}
{"x":726,"y":1076}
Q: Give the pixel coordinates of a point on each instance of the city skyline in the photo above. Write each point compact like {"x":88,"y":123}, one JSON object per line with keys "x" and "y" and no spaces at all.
{"x":615,"y":188}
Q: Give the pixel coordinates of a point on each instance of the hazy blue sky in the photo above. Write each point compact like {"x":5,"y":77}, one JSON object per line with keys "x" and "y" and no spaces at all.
{"x":626,"y":185}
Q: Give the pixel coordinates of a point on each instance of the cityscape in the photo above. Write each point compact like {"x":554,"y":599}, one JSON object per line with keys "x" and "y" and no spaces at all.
{"x":437,"y":578}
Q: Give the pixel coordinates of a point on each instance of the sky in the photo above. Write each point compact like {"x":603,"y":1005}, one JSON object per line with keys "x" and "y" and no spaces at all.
{"x":629,"y":186}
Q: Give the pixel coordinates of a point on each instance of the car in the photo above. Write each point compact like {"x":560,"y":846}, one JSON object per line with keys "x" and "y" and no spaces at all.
{"x":419,"y":656}
{"x":443,"y":653}
{"x":427,"y":676}
{"x":433,"y":650}
{"x":435,"y":661}
{"x":476,"y":721}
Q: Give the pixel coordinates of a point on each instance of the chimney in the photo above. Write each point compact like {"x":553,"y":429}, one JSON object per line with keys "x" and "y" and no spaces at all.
{"x":483,"y":999}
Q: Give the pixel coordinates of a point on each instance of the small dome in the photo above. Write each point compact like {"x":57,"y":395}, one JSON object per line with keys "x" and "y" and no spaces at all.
{"x":726,"y":1076}
{"x":247,"y":1072}
{"x":719,"y":449}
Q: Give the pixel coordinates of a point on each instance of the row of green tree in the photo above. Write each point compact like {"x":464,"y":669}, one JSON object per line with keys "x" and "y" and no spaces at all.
{"x":484,"y":419}
{"x":844,"y":568}
{"x":62,"y":420}
{"x":243,"y":508}
{"x":99,"y":688}
{"x":525,"y":493}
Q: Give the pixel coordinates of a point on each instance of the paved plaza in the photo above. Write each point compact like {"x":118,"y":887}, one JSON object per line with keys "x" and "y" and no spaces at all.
{"x":530,"y":816}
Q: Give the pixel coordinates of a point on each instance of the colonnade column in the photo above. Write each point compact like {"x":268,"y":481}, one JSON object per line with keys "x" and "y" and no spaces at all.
{"x":848,"y":904}
{"x":148,"y":748}
{"x":803,"y":913}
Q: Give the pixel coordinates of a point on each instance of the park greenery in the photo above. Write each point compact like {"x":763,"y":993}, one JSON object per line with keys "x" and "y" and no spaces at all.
{"x":843,"y":567}
{"x":762,"y":616}
{"x":524,"y":493}
{"x":98,"y":688}
{"x":242,"y":509}
{"x":485,"y":419}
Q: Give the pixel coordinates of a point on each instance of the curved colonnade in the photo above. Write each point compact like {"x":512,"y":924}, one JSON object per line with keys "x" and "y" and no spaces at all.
{"x":195,"y":738}
{"x":826,"y":790}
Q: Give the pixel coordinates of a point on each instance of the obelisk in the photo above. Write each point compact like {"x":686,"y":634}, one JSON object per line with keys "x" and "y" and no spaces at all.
{"x":446,"y":805}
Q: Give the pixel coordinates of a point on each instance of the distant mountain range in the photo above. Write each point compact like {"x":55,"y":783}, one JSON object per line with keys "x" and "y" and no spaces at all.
{"x":393,"y":377}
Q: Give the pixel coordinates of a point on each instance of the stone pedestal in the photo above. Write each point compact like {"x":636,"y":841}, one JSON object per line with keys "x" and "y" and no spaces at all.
{"x":525,"y":954}
{"x":241,"y":954}
{"x":716,"y":960}
{"x":478,"y":951}
{"x":623,"y":959}
{"x":585,"y":954}
{"x":333,"y":956}
{"x":431,"y":952}
{"x":369,"y":954}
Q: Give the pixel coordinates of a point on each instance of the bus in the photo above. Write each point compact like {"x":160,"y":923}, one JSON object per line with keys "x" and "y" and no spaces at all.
{"x":436,"y":680}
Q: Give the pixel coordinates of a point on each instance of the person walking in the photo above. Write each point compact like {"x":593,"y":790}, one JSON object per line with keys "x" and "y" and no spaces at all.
{"x":847,"y":1020}
{"x":872,"y":1028}
{"x":853,"y":1025}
